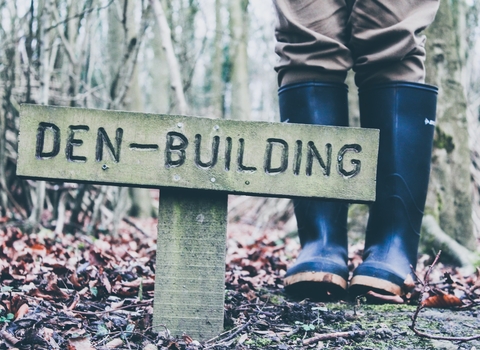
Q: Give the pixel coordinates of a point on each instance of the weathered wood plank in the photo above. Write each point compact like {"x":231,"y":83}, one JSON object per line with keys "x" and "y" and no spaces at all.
{"x":190,"y":266}
{"x":257,"y":158}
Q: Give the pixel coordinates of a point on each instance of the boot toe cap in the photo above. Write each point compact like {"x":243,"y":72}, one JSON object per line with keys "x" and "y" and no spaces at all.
{"x":381,"y":278}
{"x":318,"y":279}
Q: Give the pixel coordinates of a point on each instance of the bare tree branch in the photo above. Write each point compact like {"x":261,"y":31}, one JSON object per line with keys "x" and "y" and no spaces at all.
{"x":129,"y":61}
{"x":175,"y":75}
{"x":65,"y":42}
{"x":79,"y":15}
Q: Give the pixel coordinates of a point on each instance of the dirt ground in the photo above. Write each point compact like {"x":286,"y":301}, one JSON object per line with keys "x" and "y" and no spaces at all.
{"x":352,"y":326}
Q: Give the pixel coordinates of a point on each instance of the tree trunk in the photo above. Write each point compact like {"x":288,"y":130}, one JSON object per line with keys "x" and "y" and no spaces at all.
{"x":159,"y":94}
{"x":122,"y":32}
{"x":141,"y":200}
{"x":450,"y":193}
{"x":240,"y":98}
{"x":218,"y":86}
{"x":40,"y":190}
{"x":175,"y":74}
{"x":115,"y":43}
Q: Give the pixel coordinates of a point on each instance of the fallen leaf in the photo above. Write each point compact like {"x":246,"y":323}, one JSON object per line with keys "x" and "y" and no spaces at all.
{"x":19,"y":246}
{"x":22,"y":311}
{"x":81,"y":343}
{"x":187,"y":339}
{"x":106,"y":282}
{"x":47,"y":333}
{"x":150,"y":347}
{"x":242,"y":339}
{"x":74,"y":303}
{"x":442,"y":300}
{"x":117,"y":305}
{"x":53,"y":289}
{"x":173,"y":346}
{"x":9,"y":337}
{"x":39,"y":249}
{"x":115,"y":343}
{"x":76,"y":332}
{"x":74,"y":279}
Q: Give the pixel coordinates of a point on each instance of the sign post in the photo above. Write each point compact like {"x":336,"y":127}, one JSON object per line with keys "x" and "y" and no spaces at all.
{"x":186,"y":157}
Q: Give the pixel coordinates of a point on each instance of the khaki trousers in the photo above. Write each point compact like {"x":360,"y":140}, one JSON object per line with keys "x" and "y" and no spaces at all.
{"x":379,"y":39}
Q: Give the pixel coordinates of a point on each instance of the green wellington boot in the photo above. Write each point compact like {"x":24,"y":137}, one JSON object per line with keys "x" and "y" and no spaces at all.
{"x":321,"y":271}
{"x":405,"y":114}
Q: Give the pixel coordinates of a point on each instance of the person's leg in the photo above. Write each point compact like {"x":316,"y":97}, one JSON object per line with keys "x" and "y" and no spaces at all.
{"x":311,"y":41}
{"x":405,"y":114}
{"x":386,"y":39}
{"x":321,"y":270}
{"x":389,"y":54}
{"x":313,"y":65}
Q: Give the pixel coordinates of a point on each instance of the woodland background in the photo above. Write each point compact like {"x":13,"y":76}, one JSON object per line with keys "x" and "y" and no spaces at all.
{"x":210,"y":58}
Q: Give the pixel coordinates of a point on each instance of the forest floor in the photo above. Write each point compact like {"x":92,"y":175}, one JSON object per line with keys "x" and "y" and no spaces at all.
{"x":75,"y":291}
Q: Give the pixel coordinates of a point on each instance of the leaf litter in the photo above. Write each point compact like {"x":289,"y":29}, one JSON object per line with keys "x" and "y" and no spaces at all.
{"x":78,"y":291}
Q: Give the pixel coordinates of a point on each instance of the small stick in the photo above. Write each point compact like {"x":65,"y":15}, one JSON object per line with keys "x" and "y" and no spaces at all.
{"x":430,"y":269}
{"x":147,"y":303}
{"x":335,"y":335}
{"x":134,"y":225}
{"x":439,"y":337}
{"x":238,"y":330}
{"x":425,"y":287}
{"x":9,"y":337}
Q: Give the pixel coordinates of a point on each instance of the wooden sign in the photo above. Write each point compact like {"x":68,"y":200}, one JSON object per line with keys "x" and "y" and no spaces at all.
{"x":186,"y":156}
{"x":257,"y":158}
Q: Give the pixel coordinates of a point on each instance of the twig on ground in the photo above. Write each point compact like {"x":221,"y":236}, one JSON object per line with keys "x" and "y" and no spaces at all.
{"x":9,"y":337}
{"x":238,"y":330}
{"x":440,"y":337}
{"x":135,"y":226}
{"x":234,"y":332}
{"x":335,"y":335}
{"x":147,"y":303}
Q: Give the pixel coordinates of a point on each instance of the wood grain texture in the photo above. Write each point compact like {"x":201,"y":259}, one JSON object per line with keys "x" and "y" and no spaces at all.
{"x":190,"y":266}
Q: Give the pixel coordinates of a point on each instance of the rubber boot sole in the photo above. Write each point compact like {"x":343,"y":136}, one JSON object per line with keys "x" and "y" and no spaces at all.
{"x":316,"y":286}
{"x":361,"y":285}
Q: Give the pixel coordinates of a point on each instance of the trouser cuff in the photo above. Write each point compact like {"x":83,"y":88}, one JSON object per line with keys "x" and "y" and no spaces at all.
{"x":293,"y":75}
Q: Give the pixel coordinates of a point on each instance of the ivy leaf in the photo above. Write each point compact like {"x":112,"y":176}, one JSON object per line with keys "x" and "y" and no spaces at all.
{"x":128,"y":331}
{"x":102,"y":330}
{"x":6,"y":289}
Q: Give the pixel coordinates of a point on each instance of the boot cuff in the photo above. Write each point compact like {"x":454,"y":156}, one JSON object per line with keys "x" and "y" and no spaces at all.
{"x":313,"y":84}
{"x":399,"y":85}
